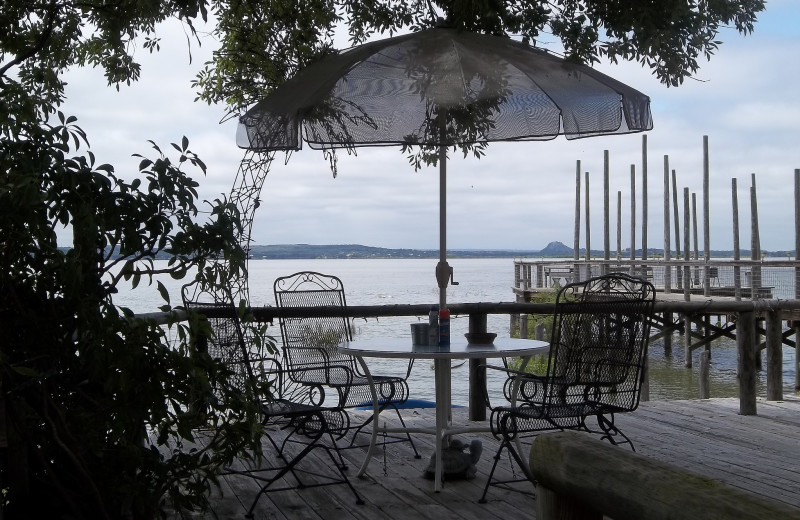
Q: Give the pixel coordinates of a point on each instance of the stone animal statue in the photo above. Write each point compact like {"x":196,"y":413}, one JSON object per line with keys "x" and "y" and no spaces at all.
{"x":456,"y":463}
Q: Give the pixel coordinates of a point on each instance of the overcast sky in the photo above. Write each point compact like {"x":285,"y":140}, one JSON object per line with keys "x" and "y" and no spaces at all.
{"x":521,"y":195}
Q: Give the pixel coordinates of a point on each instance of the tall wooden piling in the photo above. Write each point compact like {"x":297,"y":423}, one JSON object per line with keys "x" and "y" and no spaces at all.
{"x":644,"y":196}
{"x":667,"y":247}
{"x":676,"y":217}
{"x":619,"y":225}
{"x":797,"y":274}
{"x":695,"y":245}
{"x":705,"y":379}
{"x":774,"y":340}
{"x":633,"y":212}
{"x":746,"y":368}
{"x":687,"y":321}
{"x":576,"y":247}
{"x":737,"y":271}
{"x":706,"y":215}
{"x":606,"y":209}
{"x":588,"y":227}
{"x":755,"y":273}
{"x":755,"y":240}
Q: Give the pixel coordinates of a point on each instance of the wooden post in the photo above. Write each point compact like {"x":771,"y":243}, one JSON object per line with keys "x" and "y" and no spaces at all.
{"x":696,"y":253}
{"x":477,"y":373}
{"x":755,"y":272}
{"x":774,"y":327}
{"x":705,"y":370}
{"x":746,"y":369}
{"x":796,"y":358}
{"x":797,"y":274}
{"x":706,"y":215}
{"x":619,"y":225}
{"x":588,"y":226}
{"x":644,"y":196}
{"x":606,"y":209}
{"x":797,"y":237}
{"x":667,"y":247}
{"x":576,"y":248}
{"x":676,"y":217}
{"x":552,"y":506}
{"x":687,"y":275}
{"x":737,"y":270}
{"x":687,"y":321}
{"x":539,"y":332}
{"x":633,"y":213}
{"x":755,"y":242}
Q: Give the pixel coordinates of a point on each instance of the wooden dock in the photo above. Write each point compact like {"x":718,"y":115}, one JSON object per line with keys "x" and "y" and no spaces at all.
{"x":760,"y":454}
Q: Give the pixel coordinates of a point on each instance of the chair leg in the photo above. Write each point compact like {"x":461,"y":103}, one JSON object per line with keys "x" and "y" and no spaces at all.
{"x":507,"y":444}
{"x":408,"y":435}
{"x":315,"y":443}
{"x":482,"y":500}
{"x":611,"y":432}
{"x":369,"y":420}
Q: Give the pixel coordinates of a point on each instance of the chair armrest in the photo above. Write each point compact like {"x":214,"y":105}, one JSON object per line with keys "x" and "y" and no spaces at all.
{"x":519,"y":386}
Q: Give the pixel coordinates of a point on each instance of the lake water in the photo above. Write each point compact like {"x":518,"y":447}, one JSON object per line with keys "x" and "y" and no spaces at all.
{"x":410,"y":281}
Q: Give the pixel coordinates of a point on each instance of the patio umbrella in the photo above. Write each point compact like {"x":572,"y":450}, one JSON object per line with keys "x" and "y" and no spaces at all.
{"x":441,"y":87}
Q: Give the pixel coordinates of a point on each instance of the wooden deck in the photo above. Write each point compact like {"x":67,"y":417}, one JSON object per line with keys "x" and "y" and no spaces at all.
{"x":760,"y":454}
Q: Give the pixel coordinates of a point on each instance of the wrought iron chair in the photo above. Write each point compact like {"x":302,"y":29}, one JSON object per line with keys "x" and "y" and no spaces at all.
{"x":217,"y":329}
{"x":312,"y":358}
{"x":595,"y":367}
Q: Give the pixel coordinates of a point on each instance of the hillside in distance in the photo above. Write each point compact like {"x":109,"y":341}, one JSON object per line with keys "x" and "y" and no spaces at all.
{"x":554,"y":249}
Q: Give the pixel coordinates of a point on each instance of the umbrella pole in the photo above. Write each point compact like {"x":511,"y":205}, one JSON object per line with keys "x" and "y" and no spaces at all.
{"x":442,"y":268}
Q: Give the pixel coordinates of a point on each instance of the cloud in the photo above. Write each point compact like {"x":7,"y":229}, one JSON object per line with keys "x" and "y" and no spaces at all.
{"x":521,"y":195}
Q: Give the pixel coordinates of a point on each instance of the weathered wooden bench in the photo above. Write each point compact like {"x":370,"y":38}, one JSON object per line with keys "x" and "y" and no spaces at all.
{"x":581,"y":477}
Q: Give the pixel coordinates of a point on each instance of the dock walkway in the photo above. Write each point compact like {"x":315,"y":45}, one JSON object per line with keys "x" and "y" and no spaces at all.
{"x":759,"y":453}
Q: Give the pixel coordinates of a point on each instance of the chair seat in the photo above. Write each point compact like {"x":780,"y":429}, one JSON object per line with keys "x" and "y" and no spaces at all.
{"x":599,"y":336}
{"x":311,"y":354}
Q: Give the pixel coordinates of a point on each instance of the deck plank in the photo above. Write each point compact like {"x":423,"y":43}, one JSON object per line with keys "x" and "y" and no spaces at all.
{"x":759,"y":454}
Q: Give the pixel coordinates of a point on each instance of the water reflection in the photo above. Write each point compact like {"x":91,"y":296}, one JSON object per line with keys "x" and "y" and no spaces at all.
{"x":670,"y":379}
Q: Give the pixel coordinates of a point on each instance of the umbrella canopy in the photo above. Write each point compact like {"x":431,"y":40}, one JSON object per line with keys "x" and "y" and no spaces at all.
{"x":441,"y":87}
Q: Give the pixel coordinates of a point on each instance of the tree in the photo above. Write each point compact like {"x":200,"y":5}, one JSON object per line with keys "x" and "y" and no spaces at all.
{"x":97,"y":402}
{"x":100,"y":407}
{"x":264,"y":43}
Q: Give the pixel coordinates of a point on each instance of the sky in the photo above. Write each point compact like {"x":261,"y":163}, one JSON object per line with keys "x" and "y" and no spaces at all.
{"x":519,"y":196}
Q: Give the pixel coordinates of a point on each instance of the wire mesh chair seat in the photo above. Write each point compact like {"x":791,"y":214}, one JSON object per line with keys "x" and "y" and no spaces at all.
{"x":312,"y":357}
{"x":595,"y":367}
{"x":217,"y":330}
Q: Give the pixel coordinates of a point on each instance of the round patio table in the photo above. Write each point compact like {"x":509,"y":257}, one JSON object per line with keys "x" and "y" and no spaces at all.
{"x":441,"y":356}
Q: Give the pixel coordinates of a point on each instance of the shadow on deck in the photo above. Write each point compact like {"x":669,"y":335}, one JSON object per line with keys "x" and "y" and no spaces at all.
{"x":759,"y":454}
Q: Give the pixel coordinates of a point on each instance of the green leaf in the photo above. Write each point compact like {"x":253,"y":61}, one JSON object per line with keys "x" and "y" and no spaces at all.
{"x":163,"y":291}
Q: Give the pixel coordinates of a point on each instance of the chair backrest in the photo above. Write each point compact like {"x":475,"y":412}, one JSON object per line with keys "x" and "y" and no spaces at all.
{"x":217,"y":330}
{"x":599,"y":342}
{"x":311,"y":342}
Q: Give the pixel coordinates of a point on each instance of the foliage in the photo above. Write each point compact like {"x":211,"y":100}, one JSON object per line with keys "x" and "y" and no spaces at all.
{"x":85,"y":383}
{"x":102,"y":408}
{"x":263,"y":43}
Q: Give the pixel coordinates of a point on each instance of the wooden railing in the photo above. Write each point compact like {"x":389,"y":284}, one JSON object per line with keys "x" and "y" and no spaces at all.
{"x":745,"y":312}
{"x":741,"y":279}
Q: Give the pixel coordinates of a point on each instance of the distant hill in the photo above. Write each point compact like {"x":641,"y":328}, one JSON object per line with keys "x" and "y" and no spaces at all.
{"x":291,"y":251}
{"x":552,"y":250}
{"x":556,"y":249}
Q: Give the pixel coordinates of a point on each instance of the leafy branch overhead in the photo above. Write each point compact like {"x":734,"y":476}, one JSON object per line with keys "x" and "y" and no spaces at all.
{"x":264,"y":43}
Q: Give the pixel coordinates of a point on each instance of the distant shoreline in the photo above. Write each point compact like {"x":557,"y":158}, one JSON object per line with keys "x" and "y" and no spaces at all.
{"x":355,"y":251}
